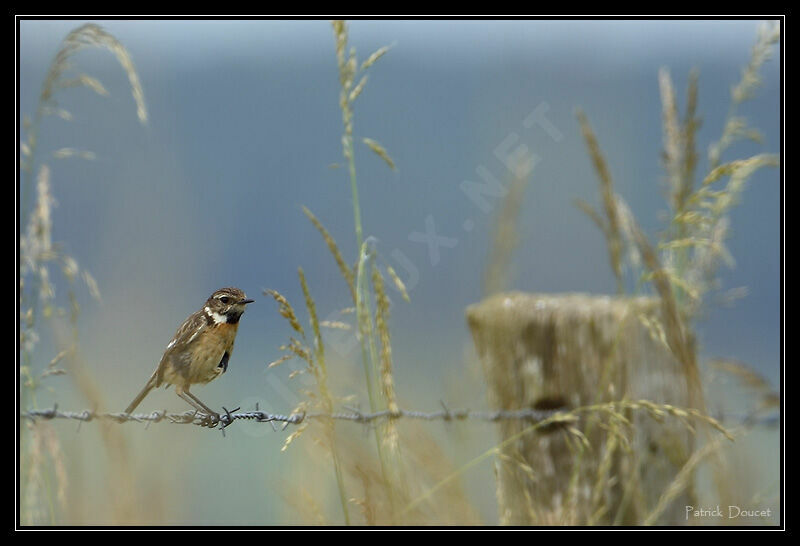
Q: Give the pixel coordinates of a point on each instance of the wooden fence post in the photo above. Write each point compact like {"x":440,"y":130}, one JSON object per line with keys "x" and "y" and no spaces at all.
{"x":550,"y":351}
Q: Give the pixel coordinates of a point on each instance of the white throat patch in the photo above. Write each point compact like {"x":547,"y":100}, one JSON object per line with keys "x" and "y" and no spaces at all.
{"x":218,"y":319}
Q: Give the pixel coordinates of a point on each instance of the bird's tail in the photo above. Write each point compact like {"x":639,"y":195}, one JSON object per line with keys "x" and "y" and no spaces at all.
{"x":139,"y":397}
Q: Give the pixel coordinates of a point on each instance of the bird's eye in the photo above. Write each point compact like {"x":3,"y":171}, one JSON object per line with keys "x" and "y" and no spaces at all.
{"x":224,"y":299}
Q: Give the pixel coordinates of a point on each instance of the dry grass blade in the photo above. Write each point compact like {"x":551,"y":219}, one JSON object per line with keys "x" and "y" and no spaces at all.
{"x":33,"y":480}
{"x":59,"y":357}
{"x":678,"y":281}
{"x":741,"y":167}
{"x":505,"y":238}
{"x":340,"y":34}
{"x":680,"y":155}
{"x":654,"y":328}
{"x":688,"y":242}
{"x":674,"y":326}
{"x":91,"y":285}
{"x":282,"y":359}
{"x":603,"y":470}
{"x":691,"y":124}
{"x":65,"y":153}
{"x":84,"y":80}
{"x":91,"y":35}
{"x":52,"y":371}
{"x":335,"y":325}
{"x":97,"y":36}
{"x":66,"y":115}
{"x":684,"y":414}
{"x":286,"y":310}
{"x":36,"y":247}
{"x":673,"y":141}
{"x":380,"y":151}
{"x":683,"y":479}
{"x":762,"y":51}
{"x":736,"y":127}
{"x":743,"y":372}
{"x":312,"y":313}
{"x":294,"y":435}
{"x":344,"y":269}
{"x":589,"y":211}
{"x":58,"y":463}
{"x":398,"y":283}
{"x":299,"y":350}
{"x":381,"y":322}
{"x":321,"y":374}
{"x":612,"y":223}
{"x":357,"y":89}
{"x":627,"y":221}
{"x":374,"y":57}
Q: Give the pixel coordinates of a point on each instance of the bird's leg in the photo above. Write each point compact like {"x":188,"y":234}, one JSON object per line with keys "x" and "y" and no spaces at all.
{"x":197,"y":400}
{"x":197,"y":404}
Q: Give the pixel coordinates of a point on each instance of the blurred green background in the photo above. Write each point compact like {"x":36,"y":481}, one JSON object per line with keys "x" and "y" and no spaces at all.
{"x":243,"y":128}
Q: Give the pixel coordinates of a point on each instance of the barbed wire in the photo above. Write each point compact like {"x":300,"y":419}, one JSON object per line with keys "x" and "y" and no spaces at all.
{"x":351,"y":414}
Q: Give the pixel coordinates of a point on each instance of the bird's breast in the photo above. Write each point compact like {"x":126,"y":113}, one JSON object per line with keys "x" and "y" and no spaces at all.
{"x":208,"y":351}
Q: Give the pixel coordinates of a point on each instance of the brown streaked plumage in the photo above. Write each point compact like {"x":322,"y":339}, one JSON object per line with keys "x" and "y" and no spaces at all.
{"x":200,"y":349}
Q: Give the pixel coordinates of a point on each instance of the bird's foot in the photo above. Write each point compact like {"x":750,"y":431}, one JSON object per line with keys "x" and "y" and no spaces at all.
{"x":209,"y":420}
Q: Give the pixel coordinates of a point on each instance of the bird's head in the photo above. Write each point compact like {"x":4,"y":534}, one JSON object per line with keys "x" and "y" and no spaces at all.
{"x":226,"y":305}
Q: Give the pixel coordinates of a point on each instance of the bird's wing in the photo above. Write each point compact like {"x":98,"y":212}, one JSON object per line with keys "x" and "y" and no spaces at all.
{"x":176,"y":354}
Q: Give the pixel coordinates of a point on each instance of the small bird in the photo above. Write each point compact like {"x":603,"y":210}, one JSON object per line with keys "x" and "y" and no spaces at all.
{"x":200,"y":349}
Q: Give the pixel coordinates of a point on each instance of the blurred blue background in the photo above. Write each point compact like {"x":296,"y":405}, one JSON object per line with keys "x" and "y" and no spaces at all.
{"x":243,"y":128}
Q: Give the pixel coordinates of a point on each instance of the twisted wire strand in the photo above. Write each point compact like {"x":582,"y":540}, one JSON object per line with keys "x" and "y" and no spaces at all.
{"x":350,"y":414}
{"x":228,"y":417}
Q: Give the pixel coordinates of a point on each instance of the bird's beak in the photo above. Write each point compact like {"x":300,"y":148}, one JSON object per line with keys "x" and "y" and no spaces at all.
{"x":244,"y":302}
